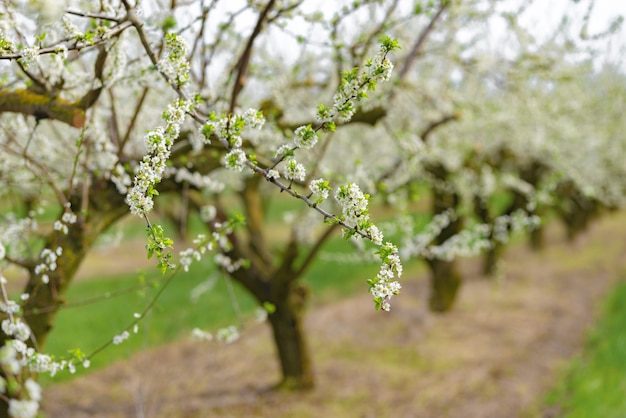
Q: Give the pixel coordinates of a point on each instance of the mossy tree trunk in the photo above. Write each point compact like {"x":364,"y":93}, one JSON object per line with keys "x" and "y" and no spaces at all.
{"x":492,"y":257}
{"x":288,"y":299}
{"x":290,"y":339}
{"x":273,"y":277}
{"x":576,"y":210}
{"x":445,"y":281}
{"x":493,"y":254}
{"x":537,"y":238}
{"x":445,"y":277}
{"x":105,"y":207}
{"x":531,"y":173}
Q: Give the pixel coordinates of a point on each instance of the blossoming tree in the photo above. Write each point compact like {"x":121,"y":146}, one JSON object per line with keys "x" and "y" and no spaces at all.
{"x":77,"y":141}
{"x":107,"y":105}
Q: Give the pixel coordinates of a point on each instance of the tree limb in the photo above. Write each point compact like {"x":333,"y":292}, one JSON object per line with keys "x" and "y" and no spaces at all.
{"x":42,"y":106}
{"x":244,"y":60}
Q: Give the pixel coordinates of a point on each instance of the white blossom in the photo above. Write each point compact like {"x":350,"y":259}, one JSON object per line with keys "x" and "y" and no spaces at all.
{"x":199,"y":335}
{"x":30,"y":55}
{"x":227,"y":335}
{"x":23,"y":408}
{"x":118,"y":339}
{"x":321,"y":188}
{"x":33,"y":389}
{"x":272,"y":174}
{"x":235,"y":160}
{"x":294,"y":170}
{"x":305,"y":137}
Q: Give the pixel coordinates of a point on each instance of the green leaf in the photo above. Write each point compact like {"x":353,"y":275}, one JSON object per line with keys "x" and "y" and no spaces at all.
{"x":270,"y":308}
{"x":168,"y":23}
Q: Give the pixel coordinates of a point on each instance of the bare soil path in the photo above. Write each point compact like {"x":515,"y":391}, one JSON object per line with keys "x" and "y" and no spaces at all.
{"x":494,"y":356}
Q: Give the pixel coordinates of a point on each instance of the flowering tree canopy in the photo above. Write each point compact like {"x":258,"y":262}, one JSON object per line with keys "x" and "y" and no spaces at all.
{"x":108,"y":104}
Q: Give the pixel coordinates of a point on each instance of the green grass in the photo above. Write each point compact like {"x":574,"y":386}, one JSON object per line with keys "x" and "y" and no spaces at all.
{"x":173,"y":316}
{"x":594,"y":385}
{"x":87,"y":327}
{"x":176,"y":312}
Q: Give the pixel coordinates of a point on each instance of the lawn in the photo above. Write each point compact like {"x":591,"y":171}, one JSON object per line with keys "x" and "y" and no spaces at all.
{"x":594,"y":384}
{"x":101,"y":306}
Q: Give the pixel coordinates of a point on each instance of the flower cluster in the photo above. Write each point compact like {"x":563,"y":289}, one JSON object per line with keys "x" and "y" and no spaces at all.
{"x":272,"y":174}
{"x":68,"y":218}
{"x":150,"y":171}
{"x":174,"y":63}
{"x":305,"y":137}
{"x":227,"y":335}
{"x":355,"y":213}
{"x":320,"y":188}
{"x":30,"y":55}
{"x":198,"y":180}
{"x":26,"y":408}
{"x":23,"y":392}
{"x":417,"y":245}
{"x":294,"y":171}
{"x":16,"y":327}
{"x":228,"y":264}
{"x":199,"y":335}
{"x":43,"y":363}
{"x":6,"y":45}
{"x":217,"y":240}
{"x":102,"y":153}
{"x":49,"y":263}
{"x":235,"y":159}
{"x":120,"y":338}
{"x":69,"y":28}
{"x":229,"y":130}
{"x":120,"y":178}
{"x":467,"y":243}
{"x":355,"y":84}
{"x":383,"y":287}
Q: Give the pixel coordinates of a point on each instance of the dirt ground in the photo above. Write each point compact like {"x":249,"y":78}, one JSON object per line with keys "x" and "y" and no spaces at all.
{"x":494,"y":356}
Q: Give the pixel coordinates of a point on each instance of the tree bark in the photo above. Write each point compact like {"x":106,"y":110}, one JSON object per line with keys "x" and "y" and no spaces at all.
{"x":445,"y":283}
{"x":492,"y":256}
{"x":106,"y":206}
{"x":537,"y":241}
{"x":280,"y":288}
{"x":445,"y":278}
{"x":577,"y":210}
{"x":290,"y":339}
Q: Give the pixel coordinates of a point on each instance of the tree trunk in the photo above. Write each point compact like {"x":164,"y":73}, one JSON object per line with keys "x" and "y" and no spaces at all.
{"x":537,"y":241}
{"x":492,"y":257}
{"x":289,"y":336}
{"x":274,"y":280}
{"x":106,"y":206}
{"x":286,"y":320}
{"x":445,"y":279}
{"x":445,"y":283}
